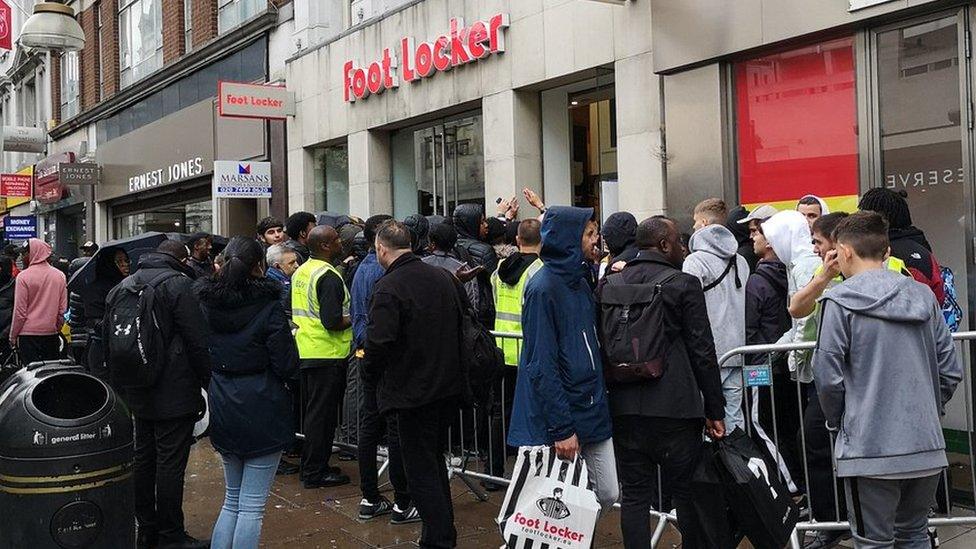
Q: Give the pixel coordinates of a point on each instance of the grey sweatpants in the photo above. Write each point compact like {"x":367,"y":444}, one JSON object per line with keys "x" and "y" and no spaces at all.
{"x":601,"y":466}
{"x":890,"y":513}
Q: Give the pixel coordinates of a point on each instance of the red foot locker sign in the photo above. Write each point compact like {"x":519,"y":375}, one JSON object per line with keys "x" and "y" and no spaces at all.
{"x":412,"y":62}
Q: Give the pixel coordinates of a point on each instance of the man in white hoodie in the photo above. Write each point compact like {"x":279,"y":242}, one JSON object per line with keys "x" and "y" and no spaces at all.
{"x":789,"y":235}
{"x":812,"y":207}
{"x":723,"y":275}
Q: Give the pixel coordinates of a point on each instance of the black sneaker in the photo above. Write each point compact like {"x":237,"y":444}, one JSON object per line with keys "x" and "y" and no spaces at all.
{"x":285,"y":468}
{"x":406,"y":516}
{"x":324,"y":482}
{"x":369,"y":510}
{"x":825,"y":539}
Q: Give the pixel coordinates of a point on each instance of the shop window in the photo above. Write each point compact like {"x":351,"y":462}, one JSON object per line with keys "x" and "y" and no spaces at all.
{"x":140,"y":39}
{"x":922,"y":118}
{"x":438,"y":167}
{"x":331,"y":174}
{"x":184,"y":218}
{"x":796,"y":125}
{"x":232,"y":13}
{"x":70,"y":88}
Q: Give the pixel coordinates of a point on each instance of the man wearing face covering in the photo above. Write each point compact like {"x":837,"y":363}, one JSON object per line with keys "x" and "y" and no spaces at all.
{"x":620,"y":234}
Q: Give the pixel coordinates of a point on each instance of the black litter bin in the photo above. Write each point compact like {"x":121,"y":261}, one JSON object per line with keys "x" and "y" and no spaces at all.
{"x":65,"y":461}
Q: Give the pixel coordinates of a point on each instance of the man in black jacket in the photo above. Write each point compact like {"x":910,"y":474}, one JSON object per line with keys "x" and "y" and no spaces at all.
{"x":472,"y":228}
{"x":413,"y":347}
{"x":165,"y":413}
{"x":660,"y":422}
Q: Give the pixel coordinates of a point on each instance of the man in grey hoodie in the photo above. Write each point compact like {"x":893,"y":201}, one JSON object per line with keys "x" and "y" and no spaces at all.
{"x":870,"y":394}
{"x":723,"y":273}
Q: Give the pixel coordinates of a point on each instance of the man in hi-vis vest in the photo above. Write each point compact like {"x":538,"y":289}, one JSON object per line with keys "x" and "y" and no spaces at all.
{"x":320,"y":309}
{"x":508,"y":283}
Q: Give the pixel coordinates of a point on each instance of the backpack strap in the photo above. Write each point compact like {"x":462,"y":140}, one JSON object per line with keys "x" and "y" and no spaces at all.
{"x":732,"y":266}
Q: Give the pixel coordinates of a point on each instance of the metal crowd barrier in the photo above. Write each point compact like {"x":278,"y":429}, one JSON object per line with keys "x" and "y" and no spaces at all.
{"x":479,"y":457}
{"x":951,"y":494}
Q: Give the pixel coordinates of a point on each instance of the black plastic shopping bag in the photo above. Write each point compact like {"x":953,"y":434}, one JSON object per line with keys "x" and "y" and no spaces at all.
{"x":761,"y":506}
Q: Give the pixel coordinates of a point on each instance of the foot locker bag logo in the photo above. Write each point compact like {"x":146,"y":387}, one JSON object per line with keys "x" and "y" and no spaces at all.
{"x":548,"y":503}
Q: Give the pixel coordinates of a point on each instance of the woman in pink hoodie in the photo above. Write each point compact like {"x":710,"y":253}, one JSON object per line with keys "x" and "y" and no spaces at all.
{"x":40,"y":300}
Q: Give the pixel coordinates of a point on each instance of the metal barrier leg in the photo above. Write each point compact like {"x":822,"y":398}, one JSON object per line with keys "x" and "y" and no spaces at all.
{"x":662,"y":524}
{"x":795,"y":540}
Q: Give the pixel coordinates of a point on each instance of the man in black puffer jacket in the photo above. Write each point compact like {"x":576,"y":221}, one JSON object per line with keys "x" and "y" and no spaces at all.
{"x":472,"y":228}
{"x":166,"y":412}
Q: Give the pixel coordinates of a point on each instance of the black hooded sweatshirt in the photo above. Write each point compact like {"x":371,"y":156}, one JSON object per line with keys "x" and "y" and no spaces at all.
{"x":767,"y":315}
{"x":620,"y":234}
{"x":467,"y":221}
{"x":741,"y":232}
{"x":514,"y":266}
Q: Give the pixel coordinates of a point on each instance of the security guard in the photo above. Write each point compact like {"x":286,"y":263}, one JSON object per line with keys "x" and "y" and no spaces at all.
{"x":508,"y":284}
{"x":320,"y":309}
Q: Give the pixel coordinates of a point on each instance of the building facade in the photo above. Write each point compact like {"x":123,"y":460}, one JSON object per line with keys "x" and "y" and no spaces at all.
{"x":421,"y":105}
{"x":139,"y":100}
{"x":781,"y":98}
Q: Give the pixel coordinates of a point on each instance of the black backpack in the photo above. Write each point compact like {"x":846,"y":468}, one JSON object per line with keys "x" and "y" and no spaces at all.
{"x":482,"y":362}
{"x":632,"y":329}
{"x":134,"y":342}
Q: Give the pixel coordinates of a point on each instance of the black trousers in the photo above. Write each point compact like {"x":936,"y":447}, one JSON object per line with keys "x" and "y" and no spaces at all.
{"x":500,"y":417}
{"x":161,"y":451}
{"x":322,"y":391}
{"x":641,"y":444}
{"x":39,"y":348}
{"x":823,"y":489}
{"x":423,"y":440}
{"x":372,"y":426}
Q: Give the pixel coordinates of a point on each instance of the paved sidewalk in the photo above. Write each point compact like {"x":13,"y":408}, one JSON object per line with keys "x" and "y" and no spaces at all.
{"x":327,"y":518}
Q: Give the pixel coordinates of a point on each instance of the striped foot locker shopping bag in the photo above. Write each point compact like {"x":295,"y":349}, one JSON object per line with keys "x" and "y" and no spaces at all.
{"x":548,"y":504}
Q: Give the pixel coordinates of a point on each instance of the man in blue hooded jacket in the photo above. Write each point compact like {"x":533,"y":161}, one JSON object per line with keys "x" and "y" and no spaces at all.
{"x":560,"y":398}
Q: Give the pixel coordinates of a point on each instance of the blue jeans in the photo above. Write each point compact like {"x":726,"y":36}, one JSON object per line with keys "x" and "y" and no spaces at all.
{"x":248,"y":483}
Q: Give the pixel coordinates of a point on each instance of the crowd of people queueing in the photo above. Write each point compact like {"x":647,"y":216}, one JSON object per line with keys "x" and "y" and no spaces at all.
{"x":326,"y":320}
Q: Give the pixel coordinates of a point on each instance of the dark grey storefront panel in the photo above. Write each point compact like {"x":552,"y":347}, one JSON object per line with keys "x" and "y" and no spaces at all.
{"x":176,"y":148}
{"x":691,"y":32}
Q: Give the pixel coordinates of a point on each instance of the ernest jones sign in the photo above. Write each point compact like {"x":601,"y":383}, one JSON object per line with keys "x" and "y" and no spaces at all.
{"x":462,"y":46}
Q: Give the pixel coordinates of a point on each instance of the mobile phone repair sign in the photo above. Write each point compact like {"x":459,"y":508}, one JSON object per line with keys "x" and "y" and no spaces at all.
{"x":233,"y":179}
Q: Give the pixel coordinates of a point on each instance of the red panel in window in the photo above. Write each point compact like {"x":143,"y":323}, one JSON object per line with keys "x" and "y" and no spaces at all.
{"x":796,"y":124}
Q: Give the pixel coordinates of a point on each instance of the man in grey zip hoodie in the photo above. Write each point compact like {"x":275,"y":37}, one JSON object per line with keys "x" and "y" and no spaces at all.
{"x":723,"y":274}
{"x":884,"y":367}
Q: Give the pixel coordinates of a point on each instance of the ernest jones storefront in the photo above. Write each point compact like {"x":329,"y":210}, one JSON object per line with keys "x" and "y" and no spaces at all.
{"x":159,"y":177}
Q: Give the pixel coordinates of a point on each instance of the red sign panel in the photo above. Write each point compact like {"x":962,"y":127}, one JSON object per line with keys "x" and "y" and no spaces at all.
{"x":6,"y":26}
{"x":796,"y":122}
{"x":48,"y":188}
{"x":461,"y":46}
{"x":14,"y":185}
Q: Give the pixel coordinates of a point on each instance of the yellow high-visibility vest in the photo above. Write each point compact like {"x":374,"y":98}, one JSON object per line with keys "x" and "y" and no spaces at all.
{"x":508,"y":311}
{"x":313,"y":339}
